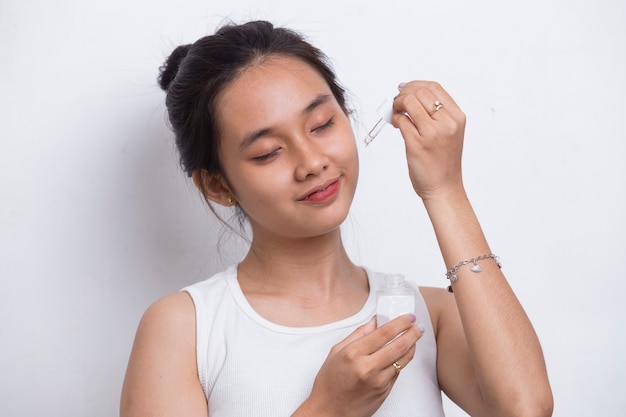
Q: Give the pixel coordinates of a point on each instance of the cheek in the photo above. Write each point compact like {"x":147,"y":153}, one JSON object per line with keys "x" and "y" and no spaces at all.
{"x":260,"y":186}
{"x":346,"y":149}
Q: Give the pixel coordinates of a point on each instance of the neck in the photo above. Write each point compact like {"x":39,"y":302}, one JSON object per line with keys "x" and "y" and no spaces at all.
{"x":302,"y":282}
{"x":318,"y":266}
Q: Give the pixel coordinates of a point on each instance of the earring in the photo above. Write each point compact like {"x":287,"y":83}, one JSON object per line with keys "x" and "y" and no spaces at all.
{"x":230,"y":200}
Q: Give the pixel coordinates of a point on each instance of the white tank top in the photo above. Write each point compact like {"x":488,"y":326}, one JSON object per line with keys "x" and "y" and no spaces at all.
{"x":249,"y":366}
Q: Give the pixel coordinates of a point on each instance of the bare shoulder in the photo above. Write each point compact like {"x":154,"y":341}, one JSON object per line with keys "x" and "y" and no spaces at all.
{"x":161,"y":378}
{"x":174,"y":312}
{"x":168,"y":323}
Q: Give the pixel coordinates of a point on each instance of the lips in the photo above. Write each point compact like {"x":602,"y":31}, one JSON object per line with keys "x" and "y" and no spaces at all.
{"x":323,"y":192}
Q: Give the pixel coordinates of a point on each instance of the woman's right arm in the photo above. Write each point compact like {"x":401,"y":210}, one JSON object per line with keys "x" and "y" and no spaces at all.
{"x":162,"y":378}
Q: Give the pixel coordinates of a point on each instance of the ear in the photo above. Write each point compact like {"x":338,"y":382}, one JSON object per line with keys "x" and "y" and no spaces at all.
{"x":213,"y":188}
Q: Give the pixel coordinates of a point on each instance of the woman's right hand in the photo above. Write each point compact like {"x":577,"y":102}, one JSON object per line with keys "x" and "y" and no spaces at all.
{"x":359,"y":371}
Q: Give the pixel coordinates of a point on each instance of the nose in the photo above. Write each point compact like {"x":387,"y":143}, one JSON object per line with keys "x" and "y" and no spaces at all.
{"x":311,"y":159}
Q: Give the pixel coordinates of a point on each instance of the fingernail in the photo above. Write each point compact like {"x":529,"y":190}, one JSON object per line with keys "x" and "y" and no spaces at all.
{"x":401,"y":85}
{"x":412,"y":318}
{"x":421,"y":327}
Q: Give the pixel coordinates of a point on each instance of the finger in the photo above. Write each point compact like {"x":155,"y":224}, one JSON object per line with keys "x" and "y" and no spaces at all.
{"x":402,"y":346}
{"x":407,"y":103}
{"x":399,"y":364}
{"x":435,"y":88}
{"x":433,"y":107}
{"x":357,"y":334}
{"x":436,"y":106}
{"x":411,"y":107}
{"x":444,"y":97}
{"x":385,"y":334}
{"x":411,"y":117}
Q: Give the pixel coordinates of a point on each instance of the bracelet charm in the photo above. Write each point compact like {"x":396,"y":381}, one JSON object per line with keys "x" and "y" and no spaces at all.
{"x":451,"y":273}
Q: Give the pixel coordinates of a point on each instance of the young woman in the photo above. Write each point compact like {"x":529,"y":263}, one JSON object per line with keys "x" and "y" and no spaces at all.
{"x":263,"y":127}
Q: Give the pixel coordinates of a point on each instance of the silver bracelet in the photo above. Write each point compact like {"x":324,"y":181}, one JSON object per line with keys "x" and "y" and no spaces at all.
{"x":451,"y":273}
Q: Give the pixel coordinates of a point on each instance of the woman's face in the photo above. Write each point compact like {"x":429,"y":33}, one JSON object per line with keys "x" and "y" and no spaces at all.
{"x":287,"y":149}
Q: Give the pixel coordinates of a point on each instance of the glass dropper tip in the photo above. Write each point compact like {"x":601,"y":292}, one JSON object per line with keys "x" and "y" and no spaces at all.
{"x":375,"y":131}
{"x":385,"y":111}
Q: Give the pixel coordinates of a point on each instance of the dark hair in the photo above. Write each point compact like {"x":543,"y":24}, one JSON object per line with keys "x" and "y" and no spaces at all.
{"x":195,"y":74}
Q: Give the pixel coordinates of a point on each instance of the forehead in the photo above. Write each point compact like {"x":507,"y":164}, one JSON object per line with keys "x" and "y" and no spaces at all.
{"x":268,"y":92}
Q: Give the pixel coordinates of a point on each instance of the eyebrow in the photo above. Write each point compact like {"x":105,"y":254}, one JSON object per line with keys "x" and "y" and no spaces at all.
{"x":250,"y":138}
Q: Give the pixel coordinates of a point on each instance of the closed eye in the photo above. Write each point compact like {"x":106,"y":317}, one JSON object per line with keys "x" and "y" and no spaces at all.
{"x":267,"y":156}
{"x":325,"y":126}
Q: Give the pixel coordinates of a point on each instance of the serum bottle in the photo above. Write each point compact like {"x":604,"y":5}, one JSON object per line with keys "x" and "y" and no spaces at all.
{"x":394,"y":299}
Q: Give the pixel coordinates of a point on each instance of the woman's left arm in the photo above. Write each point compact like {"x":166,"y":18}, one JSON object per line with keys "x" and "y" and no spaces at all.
{"x":489,"y":358}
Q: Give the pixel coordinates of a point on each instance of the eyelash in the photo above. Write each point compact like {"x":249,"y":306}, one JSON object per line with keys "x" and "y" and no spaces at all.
{"x":321,"y":128}
{"x":326,"y":125}
{"x":267,"y":155}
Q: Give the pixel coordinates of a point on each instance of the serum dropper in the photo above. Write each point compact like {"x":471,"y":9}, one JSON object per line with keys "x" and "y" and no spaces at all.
{"x":385,"y":111}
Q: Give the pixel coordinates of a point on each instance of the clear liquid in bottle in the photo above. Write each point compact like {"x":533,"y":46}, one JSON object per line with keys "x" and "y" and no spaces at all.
{"x":394,"y":299}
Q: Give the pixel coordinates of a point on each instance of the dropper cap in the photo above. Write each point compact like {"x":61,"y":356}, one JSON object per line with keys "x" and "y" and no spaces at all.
{"x":385,"y":111}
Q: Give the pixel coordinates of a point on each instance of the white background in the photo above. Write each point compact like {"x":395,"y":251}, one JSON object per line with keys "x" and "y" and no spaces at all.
{"x":97,"y":220}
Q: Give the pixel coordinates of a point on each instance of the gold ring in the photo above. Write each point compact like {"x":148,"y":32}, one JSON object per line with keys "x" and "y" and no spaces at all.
{"x":436,"y":106}
{"x":397,"y":367}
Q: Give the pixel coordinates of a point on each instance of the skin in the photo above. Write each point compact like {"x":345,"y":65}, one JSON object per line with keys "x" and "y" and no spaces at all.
{"x":284,"y":135}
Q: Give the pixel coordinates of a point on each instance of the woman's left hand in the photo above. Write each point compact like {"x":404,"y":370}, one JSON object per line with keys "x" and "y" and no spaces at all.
{"x":433,"y":127}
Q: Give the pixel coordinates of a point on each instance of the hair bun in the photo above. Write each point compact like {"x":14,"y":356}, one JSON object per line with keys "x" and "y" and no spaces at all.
{"x":168,"y":71}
